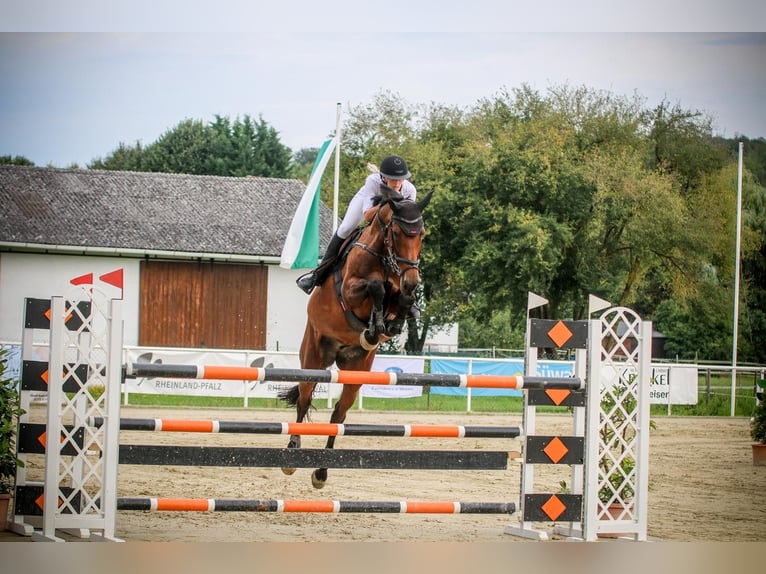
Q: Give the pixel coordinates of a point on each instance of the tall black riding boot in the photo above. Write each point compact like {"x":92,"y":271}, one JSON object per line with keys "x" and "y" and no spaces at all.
{"x":316,"y":277}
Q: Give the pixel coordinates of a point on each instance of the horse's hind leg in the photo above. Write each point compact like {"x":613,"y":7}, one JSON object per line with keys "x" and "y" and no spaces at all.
{"x":345,"y":402}
{"x":302,"y":394}
{"x":314,"y":355}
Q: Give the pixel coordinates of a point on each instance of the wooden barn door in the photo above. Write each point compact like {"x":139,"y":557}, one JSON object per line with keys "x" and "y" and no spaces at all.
{"x":202,"y":304}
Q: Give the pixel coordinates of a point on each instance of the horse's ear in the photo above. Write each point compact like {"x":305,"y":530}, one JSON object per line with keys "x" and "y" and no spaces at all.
{"x":388,"y":193}
{"x":425,"y":201}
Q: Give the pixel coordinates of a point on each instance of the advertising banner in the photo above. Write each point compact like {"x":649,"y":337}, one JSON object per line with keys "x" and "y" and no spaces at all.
{"x":216,"y":388}
{"x":396,"y":364}
{"x":669,"y":385}
{"x":674,"y":385}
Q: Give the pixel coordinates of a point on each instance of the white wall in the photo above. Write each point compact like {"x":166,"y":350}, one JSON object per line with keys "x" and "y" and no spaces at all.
{"x":444,"y":340}
{"x":44,"y":276}
{"x":286,"y":310}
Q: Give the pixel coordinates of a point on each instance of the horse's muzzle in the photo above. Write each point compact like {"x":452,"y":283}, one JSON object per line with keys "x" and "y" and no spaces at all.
{"x":409,"y":281}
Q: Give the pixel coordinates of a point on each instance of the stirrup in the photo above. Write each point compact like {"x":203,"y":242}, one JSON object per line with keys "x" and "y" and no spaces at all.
{"x":306,"y":282}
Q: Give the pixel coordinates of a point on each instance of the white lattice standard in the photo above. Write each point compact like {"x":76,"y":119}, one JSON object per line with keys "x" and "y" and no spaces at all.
{"x":618,"y":439}
{"x":86,"y":330}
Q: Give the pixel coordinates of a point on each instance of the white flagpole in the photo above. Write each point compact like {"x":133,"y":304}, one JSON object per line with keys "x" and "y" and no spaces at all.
{"x":337,"y":171}
{"x":335,"y":213}
{"x":736,"y":283}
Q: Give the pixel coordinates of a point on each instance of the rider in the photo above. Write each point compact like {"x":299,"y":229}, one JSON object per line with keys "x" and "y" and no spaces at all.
{"x":394,"y":173}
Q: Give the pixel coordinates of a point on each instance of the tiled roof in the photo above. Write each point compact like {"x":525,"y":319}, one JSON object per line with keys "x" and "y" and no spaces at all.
{"x":149,"y":211}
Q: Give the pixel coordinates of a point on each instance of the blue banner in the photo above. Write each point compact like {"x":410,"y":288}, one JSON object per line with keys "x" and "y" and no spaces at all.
{"x":477,"y":368}
{"x":512,"y":367}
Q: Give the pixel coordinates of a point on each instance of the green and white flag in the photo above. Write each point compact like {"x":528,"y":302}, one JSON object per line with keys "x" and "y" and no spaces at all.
{"x":301,"y":249}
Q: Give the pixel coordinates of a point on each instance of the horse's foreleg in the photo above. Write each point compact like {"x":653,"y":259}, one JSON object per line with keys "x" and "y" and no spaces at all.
{"x":345,"y":402}
{"x":405,"y":301}
{"x":302,"y":405}
{"x":395,"y":325}
{"x":377,"y":291}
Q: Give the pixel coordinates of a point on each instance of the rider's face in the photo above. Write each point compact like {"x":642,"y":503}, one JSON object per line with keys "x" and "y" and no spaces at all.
{"x":395,"y":184}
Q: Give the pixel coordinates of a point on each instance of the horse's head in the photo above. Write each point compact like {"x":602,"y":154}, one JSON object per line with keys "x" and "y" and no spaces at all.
{"x":401,"y":223}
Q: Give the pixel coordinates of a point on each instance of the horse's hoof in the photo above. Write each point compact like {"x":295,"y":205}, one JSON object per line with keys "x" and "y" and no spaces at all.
{"x":295,"y":442}
{"x":316,"y":481}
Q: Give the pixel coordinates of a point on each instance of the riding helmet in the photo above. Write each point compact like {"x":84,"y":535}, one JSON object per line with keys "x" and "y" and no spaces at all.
{"x":394,"y":167}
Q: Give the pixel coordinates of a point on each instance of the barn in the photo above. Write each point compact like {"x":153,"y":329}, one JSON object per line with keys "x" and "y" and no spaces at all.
{"x":194,"y":258}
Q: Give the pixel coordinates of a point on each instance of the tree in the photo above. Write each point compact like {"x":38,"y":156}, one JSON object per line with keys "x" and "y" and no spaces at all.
{"x":124,"y":158}
{"x":225,"y":148}
{"x":272,"y":159}
{"x":303,"y":162}
{"x":683,"y":144}
{"x":15,"y":160}
{"x":567,"y":193}
{"x":187,"y":148}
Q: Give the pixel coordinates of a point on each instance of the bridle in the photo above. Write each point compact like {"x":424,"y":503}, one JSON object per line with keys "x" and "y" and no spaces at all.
{"x":390,"y":258}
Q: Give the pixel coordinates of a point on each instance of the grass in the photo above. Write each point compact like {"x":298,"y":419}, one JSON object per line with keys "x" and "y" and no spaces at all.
{"x":714,"y":399}
{"x":709,"y":404}
{"x":425,"y":402}
{"x":716,"y":405}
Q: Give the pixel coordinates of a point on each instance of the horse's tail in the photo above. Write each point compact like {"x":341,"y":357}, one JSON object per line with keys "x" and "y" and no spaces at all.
{"x":290,"y":396}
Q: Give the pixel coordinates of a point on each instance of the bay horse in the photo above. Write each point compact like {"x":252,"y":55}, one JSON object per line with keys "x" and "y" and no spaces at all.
{"x":363,"y":302}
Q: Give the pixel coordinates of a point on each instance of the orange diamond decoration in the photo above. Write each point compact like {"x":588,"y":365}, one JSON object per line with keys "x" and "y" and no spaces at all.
{"x":40,"y":501}
{"x":43,"y":439}
{"x":553,"y":507}
{"x":560,"y":333}
{"x":557,"y":395}
{"x":48,"y":315}
{"x":555,"y":449}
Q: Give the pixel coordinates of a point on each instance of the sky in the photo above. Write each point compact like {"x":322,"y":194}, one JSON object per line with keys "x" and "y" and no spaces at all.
{"x":73,"y":88}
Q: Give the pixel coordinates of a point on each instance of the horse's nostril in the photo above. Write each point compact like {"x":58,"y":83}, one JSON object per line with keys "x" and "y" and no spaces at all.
{"x":409,"y":284}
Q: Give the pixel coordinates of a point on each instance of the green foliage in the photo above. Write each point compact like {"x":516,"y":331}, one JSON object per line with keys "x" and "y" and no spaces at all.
{"x":701,"y":326}
{"x":754,"y":154}
{"x":753,"y":287}
{"x":10,"y":410}
{"x":224,"y":148}
{"x":499,"y":331}
{"x":303,"y":163}
{"x":569,"y":193}
{"x":753,"y":321}
{"x":15,"y":160}
{"x":758,"y":423}
{"x":683,"y":144}
{"x":619,"y":409}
